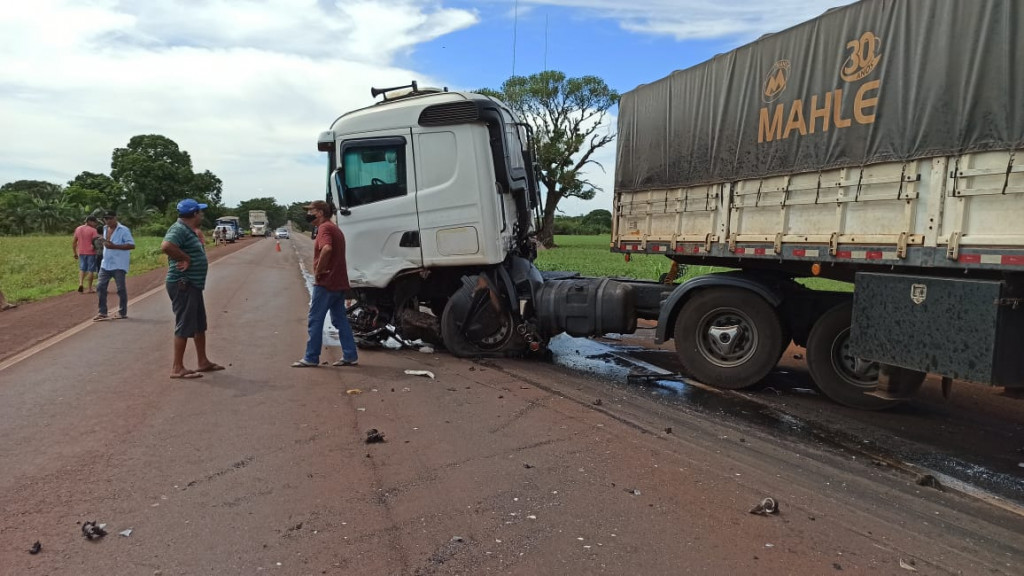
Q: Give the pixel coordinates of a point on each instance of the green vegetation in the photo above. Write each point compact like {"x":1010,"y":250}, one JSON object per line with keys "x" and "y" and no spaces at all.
{"x":590,"y":256}
{"x":37,"y":267}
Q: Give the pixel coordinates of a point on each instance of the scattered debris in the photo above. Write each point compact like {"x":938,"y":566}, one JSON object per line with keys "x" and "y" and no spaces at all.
{"x":633,"y":491}
{"x":452,"y":389}
{"x":353,"y":391}
{"x":457,"y":539}
{"x":929,"y":481}
{"x":92,"y":531}
{"x":668,"y":430}
{"x":527,"y":466}
{"x":531,"y":517}
{"x":837,"y":565}
{"x":804,"y":390}
{"x":767,"y":506}
{"x":373,"y":436}
{"x":426,"y":373}
{"x":35,"y":548}
{"x":907,"y":566}
{"x":598,"y":402}
{"x":426,"y":350}
{"x":799,"y":357}
{"x":126,"y":533}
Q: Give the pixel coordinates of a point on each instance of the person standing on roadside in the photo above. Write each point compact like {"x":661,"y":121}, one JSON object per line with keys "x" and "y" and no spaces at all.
{"x":186,"y":279}
{"x":82,"y":244}
{"x":330,"y":281}
{"x":117,"y":246}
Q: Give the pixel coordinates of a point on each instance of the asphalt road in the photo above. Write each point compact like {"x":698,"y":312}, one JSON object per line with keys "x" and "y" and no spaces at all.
{"x":491,"y":467}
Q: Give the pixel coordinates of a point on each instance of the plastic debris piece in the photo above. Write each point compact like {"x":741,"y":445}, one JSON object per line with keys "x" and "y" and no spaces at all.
{"x":353,"y":391}
{"x":426,"y":350}
{"x":633,"y":491}
{"x":126,"y":533}
{"x":907,"y":566}
{"x":767,"y":506}
{"x":458,"y":539}
{"x":426,"y":373}
{"x":929,"y":481}
{"x":35,"y":548}
{"x":798,"y":356}
{"x":598,"y":402}
{"x":91,"y":531}
{"x":361,"y":409}
{"x":373,"y":436}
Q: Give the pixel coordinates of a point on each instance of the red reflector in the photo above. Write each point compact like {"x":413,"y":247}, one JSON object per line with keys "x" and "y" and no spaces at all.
{"x":970,"y":258}
{"x":1013,"y":260}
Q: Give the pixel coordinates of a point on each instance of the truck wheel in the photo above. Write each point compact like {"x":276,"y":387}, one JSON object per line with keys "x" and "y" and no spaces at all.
{"x":838,"y":373}
{"x":472,"y":327}
{"x":728,"y":337}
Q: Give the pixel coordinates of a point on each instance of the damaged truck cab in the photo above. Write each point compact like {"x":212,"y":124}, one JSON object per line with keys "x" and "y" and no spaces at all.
{"x":437,"y":194}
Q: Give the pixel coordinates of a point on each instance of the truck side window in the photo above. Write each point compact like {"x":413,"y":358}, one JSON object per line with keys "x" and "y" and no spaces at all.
{"x":374,"y":171}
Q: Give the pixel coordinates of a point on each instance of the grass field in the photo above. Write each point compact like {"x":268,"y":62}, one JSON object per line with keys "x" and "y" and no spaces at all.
{"x":37,"y":267}
{"x":590,"y":256}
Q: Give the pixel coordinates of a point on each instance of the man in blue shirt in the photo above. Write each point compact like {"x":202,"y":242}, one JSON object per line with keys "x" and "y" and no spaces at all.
{"x":117,"y":246}
{"x":186,"y":279}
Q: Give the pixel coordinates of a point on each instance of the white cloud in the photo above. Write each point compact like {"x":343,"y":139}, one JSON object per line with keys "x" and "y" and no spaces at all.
{"x":243,"y":86}
{"x":700,"y":19}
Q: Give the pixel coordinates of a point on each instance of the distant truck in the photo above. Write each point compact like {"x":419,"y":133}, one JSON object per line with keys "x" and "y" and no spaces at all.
{"x":861,"y":146}
{"x":229,"y":224}
{"x":258,"y":225}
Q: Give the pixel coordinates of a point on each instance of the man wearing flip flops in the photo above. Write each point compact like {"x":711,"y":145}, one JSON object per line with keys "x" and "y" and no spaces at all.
{"x":330,"y":273}
{"x":186,"y":279}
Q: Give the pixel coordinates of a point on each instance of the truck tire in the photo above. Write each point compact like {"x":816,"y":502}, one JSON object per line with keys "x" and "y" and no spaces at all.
{"x":501,"y":340}
{"x":842,"y":377}
{"x":728,"y":337}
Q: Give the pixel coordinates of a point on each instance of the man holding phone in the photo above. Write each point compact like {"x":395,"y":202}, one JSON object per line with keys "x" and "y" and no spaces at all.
{"x":117,"y":246}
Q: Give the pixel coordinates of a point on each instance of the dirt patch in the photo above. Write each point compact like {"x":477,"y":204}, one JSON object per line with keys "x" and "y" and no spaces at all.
{"x":26,"y":325}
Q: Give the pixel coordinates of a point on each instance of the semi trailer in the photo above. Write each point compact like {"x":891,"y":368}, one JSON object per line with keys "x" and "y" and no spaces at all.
{"x":879,"y":144}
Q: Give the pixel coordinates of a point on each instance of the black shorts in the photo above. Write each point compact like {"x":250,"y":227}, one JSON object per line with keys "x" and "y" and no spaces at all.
{"x":189,"y":309}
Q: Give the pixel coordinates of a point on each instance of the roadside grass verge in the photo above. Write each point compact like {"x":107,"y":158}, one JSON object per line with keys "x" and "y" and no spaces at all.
{"x":591,"y":256}
{"x":37,"y":267}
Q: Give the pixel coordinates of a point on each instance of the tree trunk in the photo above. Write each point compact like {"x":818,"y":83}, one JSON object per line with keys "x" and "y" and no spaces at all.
{"x":546,"y":234}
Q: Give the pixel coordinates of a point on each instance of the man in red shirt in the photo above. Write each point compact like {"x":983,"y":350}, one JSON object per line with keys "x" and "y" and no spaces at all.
{"x":330,"y":273}
{"x":81,"y":243}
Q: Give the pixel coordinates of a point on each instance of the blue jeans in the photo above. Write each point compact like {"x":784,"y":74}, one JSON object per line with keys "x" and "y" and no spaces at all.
{"x":122,"y":292}
{"x":325,"y":301}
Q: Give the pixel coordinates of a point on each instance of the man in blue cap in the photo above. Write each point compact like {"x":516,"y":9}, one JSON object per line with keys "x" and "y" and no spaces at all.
{"x":186,"y":279}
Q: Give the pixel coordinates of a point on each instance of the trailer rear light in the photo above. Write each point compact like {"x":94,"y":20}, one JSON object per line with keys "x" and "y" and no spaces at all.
{"x":627,"y":256}
{"x":816,"y":269}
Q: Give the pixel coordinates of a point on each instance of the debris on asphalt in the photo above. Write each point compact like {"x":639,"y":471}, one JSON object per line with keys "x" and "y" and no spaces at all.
{"x":633,"y":491}
{"x":92,"y":531}
{"x":373,"y":436}
{"x":798,"y":356}
{"x":598,"y":402}
{"x":353,"y":391}
{"x":426,"y":373}
{"x":767,"y":506}
{"x":457,"y":539}
{"x":929,"y":481}
{"x":126,"y":533}
{"x":527,"y":466}
{"x":427,"y":350}
{"x":35,"y":548}
{"x":804,"y":390}
{"x":668,"y":430}
{"x":907,"y":566}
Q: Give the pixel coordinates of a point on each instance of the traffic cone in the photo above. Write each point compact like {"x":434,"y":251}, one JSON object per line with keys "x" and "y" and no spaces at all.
{"x":278,"y":245}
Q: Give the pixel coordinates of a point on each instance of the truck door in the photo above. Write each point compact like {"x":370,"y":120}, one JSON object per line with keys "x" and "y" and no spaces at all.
{"x":376,"y":188}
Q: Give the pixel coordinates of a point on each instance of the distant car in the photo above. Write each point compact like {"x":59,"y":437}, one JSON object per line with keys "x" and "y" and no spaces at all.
{"x":282,"y":233}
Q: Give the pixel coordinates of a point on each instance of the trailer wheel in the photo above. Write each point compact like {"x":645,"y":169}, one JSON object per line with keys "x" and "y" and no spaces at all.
{"x":838,"y":373}
{"x":473,"y":326}
{"x":728,"y":337}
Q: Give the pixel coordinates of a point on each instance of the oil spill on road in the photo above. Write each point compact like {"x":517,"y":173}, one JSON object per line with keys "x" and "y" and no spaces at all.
{"x":658,"y":370}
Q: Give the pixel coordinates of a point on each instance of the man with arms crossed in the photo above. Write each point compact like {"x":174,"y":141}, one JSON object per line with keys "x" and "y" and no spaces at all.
{"x":330,"y":273}
{"x":186,"y":279}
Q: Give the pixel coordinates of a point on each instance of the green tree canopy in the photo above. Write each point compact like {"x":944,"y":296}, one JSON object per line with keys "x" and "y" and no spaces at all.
{"x":566,"y":115}
{"x":153,"y":171}
{"x":276,"y":214}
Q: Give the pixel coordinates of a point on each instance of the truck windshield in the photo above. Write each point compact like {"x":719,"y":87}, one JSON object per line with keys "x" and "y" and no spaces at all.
{"x":374,"y":171}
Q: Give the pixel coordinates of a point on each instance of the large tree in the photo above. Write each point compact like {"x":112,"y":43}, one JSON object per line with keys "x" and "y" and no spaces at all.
{"x":276,"y":214}
{"x":153,"y":171}
{"x":94,"y":192}
{"x":567,"y":117}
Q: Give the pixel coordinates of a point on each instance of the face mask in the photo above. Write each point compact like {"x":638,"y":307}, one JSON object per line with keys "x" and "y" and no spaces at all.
{"x":310,"y":217}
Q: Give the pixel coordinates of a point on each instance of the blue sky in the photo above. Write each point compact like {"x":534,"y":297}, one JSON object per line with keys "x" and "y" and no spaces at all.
{"x":246,"y":86}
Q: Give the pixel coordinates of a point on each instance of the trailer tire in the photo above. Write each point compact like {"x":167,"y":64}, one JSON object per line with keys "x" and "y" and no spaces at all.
{"x":728,"y":337}
{"x":502,"y":342}
{"x":837,"y":374}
